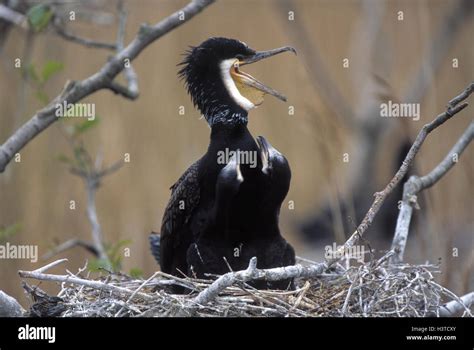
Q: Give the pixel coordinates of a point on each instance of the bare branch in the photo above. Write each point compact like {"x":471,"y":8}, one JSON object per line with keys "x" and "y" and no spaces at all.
{"x":9,"y":306}
{"x":454,"y":107}
{"x":416,"y":184}
{"x":50,"y":266}
{"x":91,"y":186}
{"x":72,"y":243}
{"x":252,"y":274}
{"x":13,"y":17}
{"x":131,"y":92}
{"x":38,"y":275}
{"x":92,"y":175}
{"x":75,"y":91}
{"x":60,"y":29}
{"x":454,"y":307}
{"x":111,"y":169}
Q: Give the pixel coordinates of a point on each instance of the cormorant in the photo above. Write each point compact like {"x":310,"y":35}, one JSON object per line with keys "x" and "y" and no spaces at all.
{"x":218,"y":241}
{"x":220,"y":206}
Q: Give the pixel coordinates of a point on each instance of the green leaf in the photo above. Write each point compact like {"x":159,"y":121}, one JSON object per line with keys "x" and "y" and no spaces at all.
{"x":85,"y":126}
{"x":39,"y":16}
{"x":96,"y":265}
{"x":9,"y":231}
{"x":50,"y":68}
{"x":135,"y":272}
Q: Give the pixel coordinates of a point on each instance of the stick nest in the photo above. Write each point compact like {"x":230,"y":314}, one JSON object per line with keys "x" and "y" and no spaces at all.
{"x":373,"y":289}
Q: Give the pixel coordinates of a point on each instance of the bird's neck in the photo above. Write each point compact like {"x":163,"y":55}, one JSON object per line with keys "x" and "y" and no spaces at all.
{"x":232,"y":136}
{"x":224,"y":115}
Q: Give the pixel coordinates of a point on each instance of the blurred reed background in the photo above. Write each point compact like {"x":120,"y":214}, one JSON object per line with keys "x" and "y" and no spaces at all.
{"x":386,"y":57}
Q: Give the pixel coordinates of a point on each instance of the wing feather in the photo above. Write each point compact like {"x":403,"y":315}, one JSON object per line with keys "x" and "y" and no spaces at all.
{"x":175,"y":231}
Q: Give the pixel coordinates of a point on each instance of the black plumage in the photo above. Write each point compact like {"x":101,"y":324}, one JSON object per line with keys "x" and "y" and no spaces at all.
{"x":229,"y":209}
{"x":220,"y":247}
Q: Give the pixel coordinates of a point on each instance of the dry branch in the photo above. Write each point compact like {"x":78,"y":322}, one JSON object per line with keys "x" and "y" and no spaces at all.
{"x":92,"y":175}
{"x":61,"y":30}
{"x":9,"y":306}
{"x":454,"y":106}
{"x":417,"y":184}
{"x":14,"y":17}
{"x":251,"y":274}
{"x":131,"y":91}
{"x":103,"y":79}
{"x":454,"y":307}
{"x":40,"y":275}
{"x":72,"y":243}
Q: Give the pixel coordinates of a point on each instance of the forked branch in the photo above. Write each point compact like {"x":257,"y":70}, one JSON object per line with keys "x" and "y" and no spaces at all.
{"x":416,"y":184}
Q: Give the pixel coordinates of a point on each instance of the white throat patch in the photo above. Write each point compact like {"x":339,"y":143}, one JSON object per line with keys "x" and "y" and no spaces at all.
{"x":229,"y":83}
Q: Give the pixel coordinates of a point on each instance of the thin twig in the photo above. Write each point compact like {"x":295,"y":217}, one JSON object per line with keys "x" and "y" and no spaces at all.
{"x":60,"y":29}
{"x":69,"y":244}
{"x":50,"y":266}
{"x":80,"y":281}
{"x":136,"y":291}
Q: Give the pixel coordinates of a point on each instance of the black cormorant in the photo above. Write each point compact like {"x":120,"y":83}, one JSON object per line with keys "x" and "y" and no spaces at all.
{"x":226,"y":209}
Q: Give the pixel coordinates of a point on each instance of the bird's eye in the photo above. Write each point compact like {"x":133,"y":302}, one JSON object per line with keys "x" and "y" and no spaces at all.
{"x":240,"y":57}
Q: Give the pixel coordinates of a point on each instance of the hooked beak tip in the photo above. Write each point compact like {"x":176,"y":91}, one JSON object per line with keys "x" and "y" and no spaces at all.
{"x":259,"y":55}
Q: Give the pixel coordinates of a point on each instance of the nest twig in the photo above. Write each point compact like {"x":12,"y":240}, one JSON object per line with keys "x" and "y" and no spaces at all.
{"x":373,"y":289}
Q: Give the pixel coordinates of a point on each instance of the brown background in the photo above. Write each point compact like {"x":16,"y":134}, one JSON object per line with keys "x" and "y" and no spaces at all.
{"x":37,"y":191}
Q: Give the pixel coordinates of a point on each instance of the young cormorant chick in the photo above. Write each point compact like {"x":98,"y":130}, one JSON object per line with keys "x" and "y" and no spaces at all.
{"x":215,"y":252}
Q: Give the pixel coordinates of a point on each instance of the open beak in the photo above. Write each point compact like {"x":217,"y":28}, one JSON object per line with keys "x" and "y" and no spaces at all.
{"x":250,"y":87}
